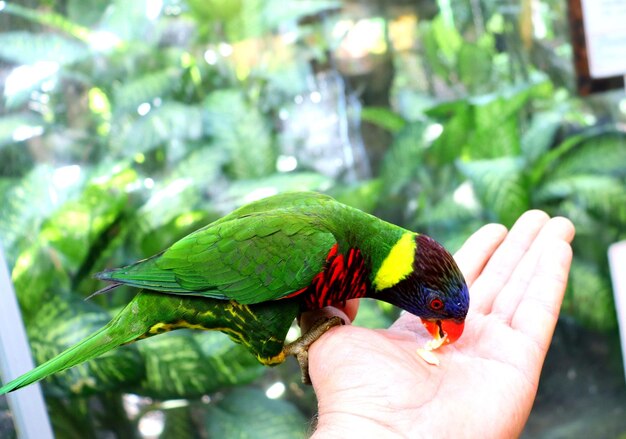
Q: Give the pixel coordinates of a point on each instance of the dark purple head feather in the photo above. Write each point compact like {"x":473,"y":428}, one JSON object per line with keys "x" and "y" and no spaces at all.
{"x":435,"y":289}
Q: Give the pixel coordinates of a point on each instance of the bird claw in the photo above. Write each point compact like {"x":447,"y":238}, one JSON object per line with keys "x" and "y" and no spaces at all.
{"x":300,"y":347}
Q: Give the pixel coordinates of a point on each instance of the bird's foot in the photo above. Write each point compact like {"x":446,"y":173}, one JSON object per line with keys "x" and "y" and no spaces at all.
{"x":300,"y":347}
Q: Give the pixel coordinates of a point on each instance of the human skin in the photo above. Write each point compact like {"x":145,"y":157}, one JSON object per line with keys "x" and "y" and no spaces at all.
{"x":372,"y":383}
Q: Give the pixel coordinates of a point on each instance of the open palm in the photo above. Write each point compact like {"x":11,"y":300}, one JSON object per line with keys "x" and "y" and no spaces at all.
{"x":372,"y":383}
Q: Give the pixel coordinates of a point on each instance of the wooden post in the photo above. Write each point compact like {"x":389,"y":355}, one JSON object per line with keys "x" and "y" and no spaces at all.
{"x":586,"y":84}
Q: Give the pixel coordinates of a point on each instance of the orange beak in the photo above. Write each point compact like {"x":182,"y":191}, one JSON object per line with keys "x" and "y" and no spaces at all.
{"x":444,"y":331}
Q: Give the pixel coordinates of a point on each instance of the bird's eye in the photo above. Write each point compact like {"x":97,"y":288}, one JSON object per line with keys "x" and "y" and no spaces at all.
{"x":436,"y":304}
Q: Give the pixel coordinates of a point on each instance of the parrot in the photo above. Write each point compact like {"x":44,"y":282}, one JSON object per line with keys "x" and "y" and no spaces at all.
{"x":251,"y":273}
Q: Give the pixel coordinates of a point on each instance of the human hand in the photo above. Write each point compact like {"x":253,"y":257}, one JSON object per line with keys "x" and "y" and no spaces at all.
{"x":372,"y":383}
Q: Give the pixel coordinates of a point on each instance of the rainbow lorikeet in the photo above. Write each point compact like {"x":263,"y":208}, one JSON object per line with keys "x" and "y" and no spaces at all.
{"x":250,"y":273}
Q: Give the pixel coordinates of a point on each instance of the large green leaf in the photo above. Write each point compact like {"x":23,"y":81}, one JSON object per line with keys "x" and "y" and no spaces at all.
{"x":49,"y":19}
{"x":24,"y":207}
{"x":144,"y":89}
{"x":274,"y":12}
{"x":601,"y":194}
{"x":589,"y":297}
{"x":500,"y":186}
{"x":23,"y":47}
{"x":203,"y":165}
{"x":441,"y":43}
{"x":495,"y":120}
{"x":453,"y":141}
{"x":247,"y":413}
{"x":19,"y":126}
{"x":172,"y":122}
{"x":37,"y":277}
{"x":497,"y":116}
{"x":576,"y":212}
{"x":364,"y":196}
{"x":179,"y":202}
{"x":457,"y":207}
{"x":540,"y":135}
{"x":247,"y":19}
{"x":259,"y":17}
{"x":179,"y":423}
{"x":551,"y":158}
{"x":404,"y":156}
{"x":86,"y":12}
{"x":384,"y":118}
{"x":166,"y":203}
{"x":41,"y":57}
{"x":500,"y":138}
{"x":214,"y":10}
{"x":65,"y":247}
{"x":433,"y":62}
{"x":239,"y":128}
{"x":186,"y":364}
{"x":485,"y":126}
{"x":74,"y":228}
{"x":151,"y":235}
{"x":474,"y":65}
{"x":26,"y":79}
{"x":131,"y":21}
{"x":604,"y":154}
{"x":450,"y":219}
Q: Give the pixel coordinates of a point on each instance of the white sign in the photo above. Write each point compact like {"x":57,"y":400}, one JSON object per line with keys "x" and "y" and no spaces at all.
{"x":27,"y":405}
{"x":617,"y":263}
{"x":605,"y":32}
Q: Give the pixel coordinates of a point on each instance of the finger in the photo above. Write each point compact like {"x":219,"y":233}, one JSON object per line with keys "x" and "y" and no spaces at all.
{"x":538,"y":310}
{"x":508,"y":299}
{"x":408,"y":322}
{"x":504,"y":260}
{"x":308,"y":319}
{"x":351,"y":308}
{"x":477,"y":250}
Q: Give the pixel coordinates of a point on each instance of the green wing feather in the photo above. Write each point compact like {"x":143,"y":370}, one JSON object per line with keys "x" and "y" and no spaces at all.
{"x":263,"y":251}
{"x":290,"y":200}
{"x":251,"y":259}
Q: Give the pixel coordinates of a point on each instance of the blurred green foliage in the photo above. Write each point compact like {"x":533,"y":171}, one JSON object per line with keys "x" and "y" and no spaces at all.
{"x":126,"y":125}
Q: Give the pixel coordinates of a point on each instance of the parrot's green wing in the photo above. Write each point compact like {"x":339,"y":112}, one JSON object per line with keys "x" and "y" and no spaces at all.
{"x":291,"y":200}
{"x":259,"y":257}
{"x":250,"y":258}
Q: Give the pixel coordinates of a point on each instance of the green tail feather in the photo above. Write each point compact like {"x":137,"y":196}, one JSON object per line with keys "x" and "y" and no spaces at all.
{"x":93,"y":346}
{"x":261,"y":328}
{"x":116,"y":333}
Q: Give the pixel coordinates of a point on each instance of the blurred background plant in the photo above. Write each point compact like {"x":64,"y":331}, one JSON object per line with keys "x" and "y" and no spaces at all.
{"x":125,"y":125}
